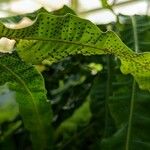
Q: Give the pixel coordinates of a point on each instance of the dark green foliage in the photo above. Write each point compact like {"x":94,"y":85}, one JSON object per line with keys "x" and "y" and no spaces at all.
{"x":31,"y":96}
{"x":93,"y":105}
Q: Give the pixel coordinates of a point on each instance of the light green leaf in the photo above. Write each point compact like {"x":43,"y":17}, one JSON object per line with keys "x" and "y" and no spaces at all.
{"x":52,"y":38}
{"x":31,"y":96}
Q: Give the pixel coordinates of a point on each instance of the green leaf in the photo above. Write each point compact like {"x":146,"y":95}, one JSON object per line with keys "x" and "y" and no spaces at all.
{"x":8,"y":144}
{"x":127,"y":104}
{"x":120,"y":110}
{"x":31,"y":96}
{"x":52,"y":38}
{"x":68,"y":83}
{"x":7,"y":132}
{"x":125,"y":29}
{"x":70,"y":129}
{"x":129,"y":108}
{"x":99,"y":96}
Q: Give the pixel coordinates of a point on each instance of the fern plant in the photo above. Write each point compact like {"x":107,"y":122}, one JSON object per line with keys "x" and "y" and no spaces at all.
{"x":56,"y":38}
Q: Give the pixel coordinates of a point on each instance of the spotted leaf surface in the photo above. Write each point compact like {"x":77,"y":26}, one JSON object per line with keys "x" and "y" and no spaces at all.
{"x":31,"y":96}
{"x":52,"y":38}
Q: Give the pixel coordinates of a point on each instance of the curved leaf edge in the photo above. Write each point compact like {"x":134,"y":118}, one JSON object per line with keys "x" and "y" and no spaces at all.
{"x":137,"y":64}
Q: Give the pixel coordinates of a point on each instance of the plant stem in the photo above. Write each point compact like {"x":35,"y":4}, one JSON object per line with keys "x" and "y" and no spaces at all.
{"x":135,"y":35}
{"x":136,"y":47}
{"x":74,"y":5}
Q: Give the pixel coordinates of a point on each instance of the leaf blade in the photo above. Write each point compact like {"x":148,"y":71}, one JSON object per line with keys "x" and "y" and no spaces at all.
{"x":33,"y":107}
{"x":52,"y":38}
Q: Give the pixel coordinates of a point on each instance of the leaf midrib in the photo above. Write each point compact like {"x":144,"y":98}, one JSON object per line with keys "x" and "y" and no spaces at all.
{"x":61,"y":41}
{"x":106,"y":51}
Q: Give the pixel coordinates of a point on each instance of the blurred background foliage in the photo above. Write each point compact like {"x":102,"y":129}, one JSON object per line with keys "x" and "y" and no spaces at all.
{"x":91,"y":99}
